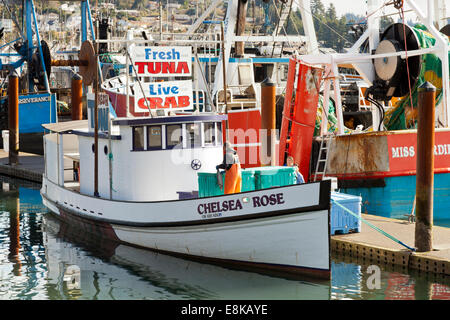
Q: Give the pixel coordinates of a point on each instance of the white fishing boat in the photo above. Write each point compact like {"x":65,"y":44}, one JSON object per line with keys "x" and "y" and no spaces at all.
{"x":140,"y":186}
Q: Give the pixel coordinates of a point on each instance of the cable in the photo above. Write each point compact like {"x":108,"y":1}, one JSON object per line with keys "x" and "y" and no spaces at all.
{"x":380,"y":108}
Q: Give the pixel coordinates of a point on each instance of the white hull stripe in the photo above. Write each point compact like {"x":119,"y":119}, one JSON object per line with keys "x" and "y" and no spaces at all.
{"x":324,"y":204}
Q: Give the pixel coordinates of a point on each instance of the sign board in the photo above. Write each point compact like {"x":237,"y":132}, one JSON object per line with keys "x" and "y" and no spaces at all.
{"x":35,"y":110}
{"x":164,"y":95}
{"x":162,"y":61}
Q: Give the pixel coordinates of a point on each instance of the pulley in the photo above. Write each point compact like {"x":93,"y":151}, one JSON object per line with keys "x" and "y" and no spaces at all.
{"x":86,"y":62}
{"x":392,"y":72}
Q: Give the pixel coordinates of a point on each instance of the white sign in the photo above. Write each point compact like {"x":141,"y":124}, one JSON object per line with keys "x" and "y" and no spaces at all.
{"x":165,"y":95}
{"x":162,"y":61}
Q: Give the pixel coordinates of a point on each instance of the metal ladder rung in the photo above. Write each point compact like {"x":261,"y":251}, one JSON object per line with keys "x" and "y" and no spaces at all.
{"x":324,"y":141}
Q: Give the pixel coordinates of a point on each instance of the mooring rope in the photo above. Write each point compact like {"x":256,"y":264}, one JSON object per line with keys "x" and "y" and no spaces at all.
{"x":374,"y":227}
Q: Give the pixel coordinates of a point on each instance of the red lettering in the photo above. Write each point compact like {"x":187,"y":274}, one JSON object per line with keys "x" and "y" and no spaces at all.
{"x":141,"y":66}
{"x":182,"y":67}
{"x":170,"y":102}
{"x":168,"y":67}
{"x":156,"y":103}
{"x":183,"y":101}
{"x":154,"y":67}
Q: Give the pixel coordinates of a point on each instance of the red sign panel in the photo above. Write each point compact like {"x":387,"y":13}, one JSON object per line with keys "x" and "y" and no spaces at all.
{"x":403,"y":152}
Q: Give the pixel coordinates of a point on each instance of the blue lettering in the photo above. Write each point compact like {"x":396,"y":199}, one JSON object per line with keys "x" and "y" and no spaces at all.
{"x":176,"y":55}
{"x":147,"y":53}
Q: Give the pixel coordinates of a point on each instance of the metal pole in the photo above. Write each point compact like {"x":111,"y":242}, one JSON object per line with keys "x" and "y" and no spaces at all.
{"x":160,"y":20}
{"x":13,"y":112}
{"x":425,"y":167}
{"x":224,"y":74}
{"x":76,"y":97}
{"x":96,"y":194}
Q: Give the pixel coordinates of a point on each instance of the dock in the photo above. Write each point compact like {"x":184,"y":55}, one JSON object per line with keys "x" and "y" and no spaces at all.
{"x":368,"y":244}
{"x":30,"y":167}
{"x":377,"y":248}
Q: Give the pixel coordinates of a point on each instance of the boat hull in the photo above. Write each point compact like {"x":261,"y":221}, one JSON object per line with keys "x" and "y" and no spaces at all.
{"x":291,"y":236}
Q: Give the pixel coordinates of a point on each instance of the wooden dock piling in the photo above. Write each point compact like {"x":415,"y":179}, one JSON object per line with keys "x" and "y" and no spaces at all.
{"x":76,"y":97}
{"x":268,"y":121}
{"x":425,"y":167}
{"x":13,"y":114}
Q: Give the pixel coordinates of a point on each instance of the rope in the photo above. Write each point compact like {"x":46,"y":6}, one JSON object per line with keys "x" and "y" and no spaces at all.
{"x":374,"y":227}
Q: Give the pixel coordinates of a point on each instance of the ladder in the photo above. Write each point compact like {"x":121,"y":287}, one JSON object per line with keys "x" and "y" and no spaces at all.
{"x":324,"y":147}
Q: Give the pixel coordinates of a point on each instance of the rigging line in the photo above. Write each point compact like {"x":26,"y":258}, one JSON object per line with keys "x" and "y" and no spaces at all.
{"x":313,"y":15}
{"x":386,"y":3}
{"x":278,"y":23}
{"x":372,"y":226}
{"x":287,"y":24}
{"x":14,"y":19}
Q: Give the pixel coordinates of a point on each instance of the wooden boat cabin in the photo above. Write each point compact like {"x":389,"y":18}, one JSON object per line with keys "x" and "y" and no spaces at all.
{"x":144,"y":159}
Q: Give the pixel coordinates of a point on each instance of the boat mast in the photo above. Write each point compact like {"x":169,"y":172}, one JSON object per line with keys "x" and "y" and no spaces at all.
{"x":240,"y":27}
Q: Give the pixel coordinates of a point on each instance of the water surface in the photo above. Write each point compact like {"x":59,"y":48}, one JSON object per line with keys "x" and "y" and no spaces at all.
{"x":42,"y":258}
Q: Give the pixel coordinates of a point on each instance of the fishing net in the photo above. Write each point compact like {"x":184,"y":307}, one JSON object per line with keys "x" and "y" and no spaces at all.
{"x":400,"y":115}
{"x":332,"y":119}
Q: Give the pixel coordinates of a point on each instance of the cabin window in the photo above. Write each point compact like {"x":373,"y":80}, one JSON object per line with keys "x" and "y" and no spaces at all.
{"x":154,"y":137}
{"x":219,"y":133}
{"x":209,"y":133}
{"x":174,"y":135}
{"x":138,"y":138}
{"x":193,"y":135}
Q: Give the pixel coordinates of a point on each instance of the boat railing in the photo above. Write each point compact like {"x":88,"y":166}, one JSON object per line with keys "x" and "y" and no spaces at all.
{"x":234,"y":102}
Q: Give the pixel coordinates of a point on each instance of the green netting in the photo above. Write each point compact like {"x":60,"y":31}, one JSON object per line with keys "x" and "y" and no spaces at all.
{"x":332,"y":120}
{"x":400,"y":116}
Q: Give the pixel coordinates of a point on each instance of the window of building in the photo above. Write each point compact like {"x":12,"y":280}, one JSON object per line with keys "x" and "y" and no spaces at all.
{"x":154,"y":137}
{"x":174,"y":136}
{"x":193,"y":135}
{"x":138,"y":138}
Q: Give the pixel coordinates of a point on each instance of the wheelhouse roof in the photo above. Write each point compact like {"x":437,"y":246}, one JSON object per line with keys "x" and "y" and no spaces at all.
{"x":169,"y":119}
{"x":66,"y":126}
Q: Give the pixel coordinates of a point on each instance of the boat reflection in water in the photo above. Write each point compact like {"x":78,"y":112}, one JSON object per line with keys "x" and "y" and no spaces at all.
{"x":82,"y":265}
{"x":43,"y":258}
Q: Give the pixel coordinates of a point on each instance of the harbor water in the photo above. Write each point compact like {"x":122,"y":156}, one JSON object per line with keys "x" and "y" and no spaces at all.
{"x":42,"y":258}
